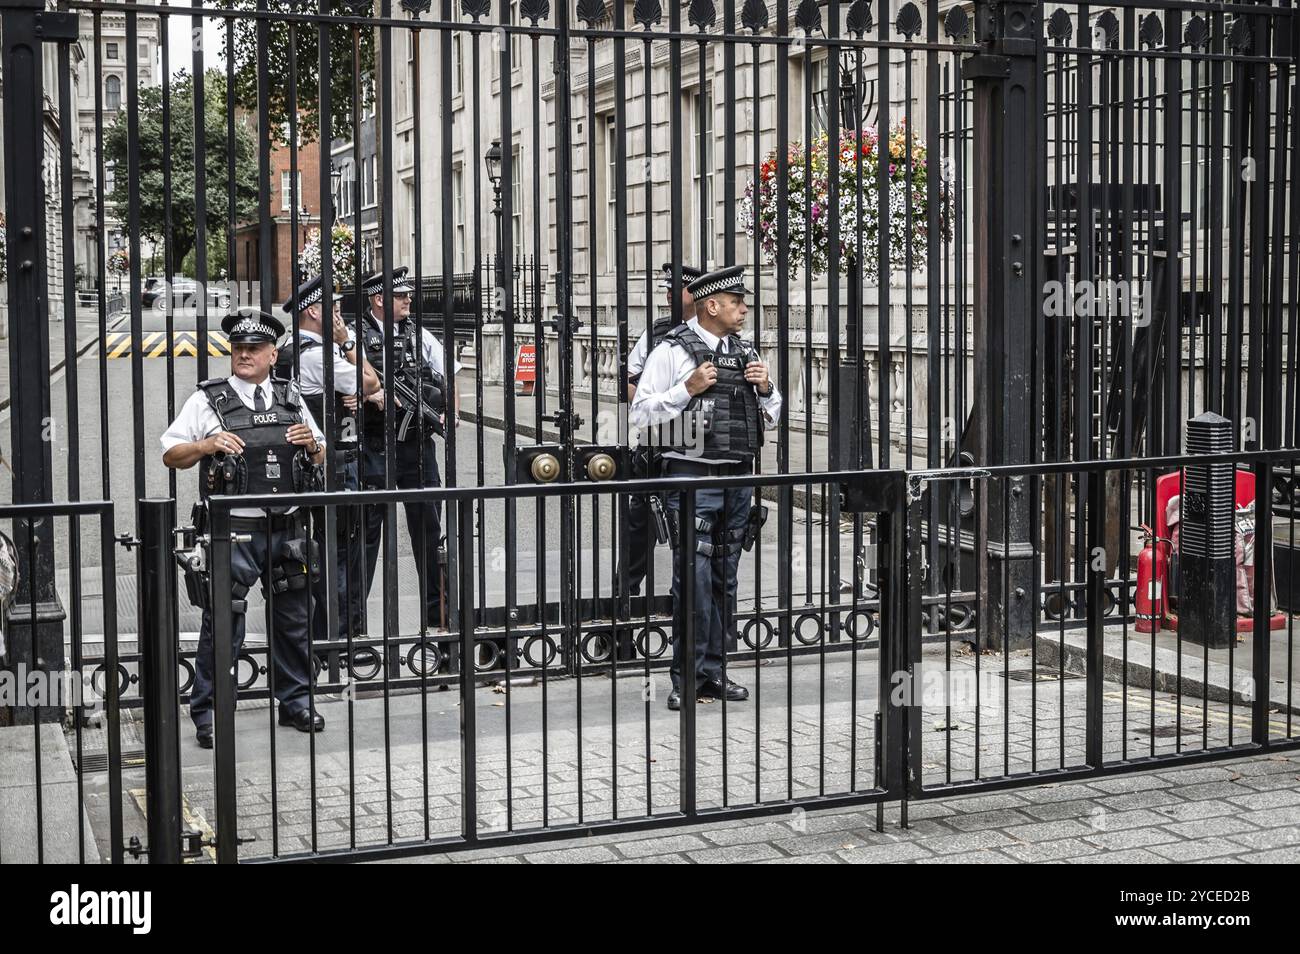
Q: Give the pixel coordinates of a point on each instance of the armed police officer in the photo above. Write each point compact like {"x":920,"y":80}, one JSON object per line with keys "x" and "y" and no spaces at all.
{"x":251,"y":434}
{"x":712,"y":389}
{"x":418,"y":386}
{"x":309,"y":350}
{"x":638,"y":538}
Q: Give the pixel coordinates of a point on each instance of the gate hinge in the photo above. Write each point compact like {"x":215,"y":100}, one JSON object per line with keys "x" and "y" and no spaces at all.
{"x":57,"y":26}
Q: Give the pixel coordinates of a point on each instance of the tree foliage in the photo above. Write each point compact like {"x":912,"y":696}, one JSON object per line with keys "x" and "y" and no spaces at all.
{"x":218,"y":156}
{"x":304,"y":80}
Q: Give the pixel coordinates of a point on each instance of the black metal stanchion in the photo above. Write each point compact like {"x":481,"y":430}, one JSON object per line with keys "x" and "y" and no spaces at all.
{"x":158,"y":662}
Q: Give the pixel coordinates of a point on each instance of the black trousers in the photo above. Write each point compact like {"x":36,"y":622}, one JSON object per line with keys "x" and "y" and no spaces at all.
{"x":637,"y":541}
{"x":714,"y":573}
{"x":249,"y":563}
{"x":422,"y":520}
{"x":350,"y":588}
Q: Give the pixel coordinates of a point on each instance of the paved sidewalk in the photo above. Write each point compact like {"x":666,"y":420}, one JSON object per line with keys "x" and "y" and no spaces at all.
{"x":1240,"y":811}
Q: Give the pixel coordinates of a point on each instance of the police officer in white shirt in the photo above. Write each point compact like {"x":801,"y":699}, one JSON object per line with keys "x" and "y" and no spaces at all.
{"x":252,"y":434}
{"x":708,"y":395}
{"x":415,"y":458}
{"x":309,"y":350}
{"x":637,"y":538}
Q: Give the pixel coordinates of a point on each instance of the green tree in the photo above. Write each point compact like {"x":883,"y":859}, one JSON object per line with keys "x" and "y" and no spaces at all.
{"x":306,"y":85}
{"x":219,"y":154}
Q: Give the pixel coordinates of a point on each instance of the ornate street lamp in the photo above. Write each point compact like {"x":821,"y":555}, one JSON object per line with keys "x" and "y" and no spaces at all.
{"x":493,"y":162}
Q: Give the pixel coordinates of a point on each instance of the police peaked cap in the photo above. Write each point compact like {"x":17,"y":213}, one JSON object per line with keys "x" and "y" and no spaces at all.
{"x":689,"y":274}
{"x":374,"y":285}
{"x":252,"y":327}
{"x":309,"y":292}
{"x":730,"y":279}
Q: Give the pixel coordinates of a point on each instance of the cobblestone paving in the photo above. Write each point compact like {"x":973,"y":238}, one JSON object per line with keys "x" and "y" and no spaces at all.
{"x":808,"y":730}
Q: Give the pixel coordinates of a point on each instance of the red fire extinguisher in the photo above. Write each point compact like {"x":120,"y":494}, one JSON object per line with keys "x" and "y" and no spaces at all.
{"x":1152,"y":578}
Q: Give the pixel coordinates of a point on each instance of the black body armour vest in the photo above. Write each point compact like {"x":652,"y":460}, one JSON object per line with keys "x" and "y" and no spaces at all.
{"x":409,"y":357}
{"x":728,"y":411}
{"x":316,"y":402}
{"x":268,"y":459}
{"x":662,"y":325}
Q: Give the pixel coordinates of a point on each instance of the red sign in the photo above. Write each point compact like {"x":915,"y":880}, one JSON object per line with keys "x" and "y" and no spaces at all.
{"x":525,"y":369}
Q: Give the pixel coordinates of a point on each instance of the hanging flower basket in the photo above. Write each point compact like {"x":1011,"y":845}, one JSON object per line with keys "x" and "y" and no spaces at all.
{"x":808,"y":197}
{"x":119,"y":261}
{"x":344,"y":255}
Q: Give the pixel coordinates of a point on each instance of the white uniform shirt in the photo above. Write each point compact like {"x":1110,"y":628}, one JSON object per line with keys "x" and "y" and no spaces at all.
{"x":311,"y":367}
{"x":198,"y":420}
{"x":636,"y":357}
{"x":661,"y":394}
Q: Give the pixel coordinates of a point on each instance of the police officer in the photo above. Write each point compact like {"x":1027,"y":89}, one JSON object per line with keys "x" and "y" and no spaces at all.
{"x":712,"y":388}
{"x":419,"y":361}
{"x":638,"y":539}
{"x":251,"y":434}
{"x":309,"y":349}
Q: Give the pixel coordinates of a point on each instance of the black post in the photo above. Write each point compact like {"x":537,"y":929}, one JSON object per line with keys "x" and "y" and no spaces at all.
{"x":1008,"y":98}
{"x":36,"y":621}
{"x":158,"y":681}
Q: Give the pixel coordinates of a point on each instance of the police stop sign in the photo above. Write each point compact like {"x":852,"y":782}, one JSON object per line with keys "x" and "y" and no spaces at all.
{"x":525,"y":369}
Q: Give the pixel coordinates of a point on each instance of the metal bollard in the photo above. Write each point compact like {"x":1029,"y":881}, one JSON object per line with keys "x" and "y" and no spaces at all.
{"x":158,"y":667}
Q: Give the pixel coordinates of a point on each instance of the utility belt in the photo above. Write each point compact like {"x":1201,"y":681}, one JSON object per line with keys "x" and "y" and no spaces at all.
{"x":293,"y":567}
{"x":680,"y":466}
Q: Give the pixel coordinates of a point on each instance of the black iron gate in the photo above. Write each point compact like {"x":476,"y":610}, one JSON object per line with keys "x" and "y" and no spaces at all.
{"x":1001,"y":254}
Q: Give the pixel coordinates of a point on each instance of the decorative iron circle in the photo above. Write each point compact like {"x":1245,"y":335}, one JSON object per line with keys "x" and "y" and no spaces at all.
{"x":99,"y":681}
{"x":365,"y":663}
{"x":960,"y":616}
{"x":1108,"y":602}
{"x":256,"y":670}
{"x":860,"y":624}
{"x":747,"y":633}
{"x":424,"y":658}
{"x":818,"y":626}
{"x":597,"y":647}
{"x":186,"y":678}
{"x":643,"y":642}
{"x":547,"y":655}
{"x":486,"y":655}
{"x":1056,"y":605}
